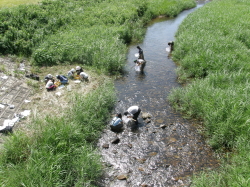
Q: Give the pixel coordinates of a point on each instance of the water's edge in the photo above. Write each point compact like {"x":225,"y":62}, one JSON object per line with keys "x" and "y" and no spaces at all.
{"x":165,"y":149}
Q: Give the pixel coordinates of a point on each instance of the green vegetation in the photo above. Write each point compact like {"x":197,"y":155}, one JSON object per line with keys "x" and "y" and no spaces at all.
{"x":61,"y":150}
{"x":87,"y":32}
{"x":212,"y":48}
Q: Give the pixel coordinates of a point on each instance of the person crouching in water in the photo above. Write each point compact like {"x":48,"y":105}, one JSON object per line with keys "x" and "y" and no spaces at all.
{"x":50,"y":85}
{"x":133,"y":112}
{"x":63,"y":79}
{"x":84,"y":76}
{"x":117,"y":123}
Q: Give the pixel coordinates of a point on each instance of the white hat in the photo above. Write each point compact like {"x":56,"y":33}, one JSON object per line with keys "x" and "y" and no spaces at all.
{"x":73,"y":70}
{"x":50,"y":76}
{"x":78,"y":67}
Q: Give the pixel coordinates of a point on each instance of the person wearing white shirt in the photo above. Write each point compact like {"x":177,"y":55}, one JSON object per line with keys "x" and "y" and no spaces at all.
{"x":133,"y":112}
{"x":84,"y":76}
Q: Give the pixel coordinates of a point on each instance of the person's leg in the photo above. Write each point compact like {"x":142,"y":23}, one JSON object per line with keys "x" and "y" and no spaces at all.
{"x":64,"y":82}
{"x":135,"y":116}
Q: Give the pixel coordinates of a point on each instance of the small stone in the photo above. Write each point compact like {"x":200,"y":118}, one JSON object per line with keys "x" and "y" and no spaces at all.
{"x":140,"y":169}
{"x":163,"y":126}
{"x":130,"y":145}
{"x":141,"y":160}
{"x":172,"y":140}
{"x":167,"y":165}
{"x":146,"y":115}
{"x":147,"y":121}
{"x":109,"y":165}
{"x":144,"y":185}
{"x":114,"y":151}
{"x":115,"y":141}
{"x":122,"y":177}
{"x":159,"y":120}
{"x":106,"y":146}
{"x":152,"y":153}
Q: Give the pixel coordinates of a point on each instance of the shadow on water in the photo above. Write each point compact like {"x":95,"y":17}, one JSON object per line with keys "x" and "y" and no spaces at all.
{"x":165,"y":149}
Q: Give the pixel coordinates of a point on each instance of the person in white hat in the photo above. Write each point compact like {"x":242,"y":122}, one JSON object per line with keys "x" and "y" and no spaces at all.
{"x":48,"y":77}
{"x":78,"y":70}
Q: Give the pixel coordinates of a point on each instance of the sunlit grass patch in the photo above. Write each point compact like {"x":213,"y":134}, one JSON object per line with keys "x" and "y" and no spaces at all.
{"x":10,"y":3}
{"x":212,"y":48}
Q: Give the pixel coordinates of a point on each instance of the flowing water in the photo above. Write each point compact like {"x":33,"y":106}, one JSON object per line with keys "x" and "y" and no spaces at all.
{"x":151,"y":155}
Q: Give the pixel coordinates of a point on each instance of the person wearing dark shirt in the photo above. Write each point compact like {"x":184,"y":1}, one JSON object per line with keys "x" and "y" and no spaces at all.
{"x":141,"y":56}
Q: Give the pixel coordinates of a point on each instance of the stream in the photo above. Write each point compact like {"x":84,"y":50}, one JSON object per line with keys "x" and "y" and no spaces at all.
{"x":166,"y":149}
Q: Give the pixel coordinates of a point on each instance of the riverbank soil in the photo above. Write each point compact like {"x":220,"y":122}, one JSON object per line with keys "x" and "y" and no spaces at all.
{"x":19,"y":93}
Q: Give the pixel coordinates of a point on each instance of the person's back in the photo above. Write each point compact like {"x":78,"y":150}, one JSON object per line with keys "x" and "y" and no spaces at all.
{"x":116,"y":123}
{"x":71,"y":73}
{"x":84,"y":76}
{"x":133,"y":112}
{"x":141,"y":55}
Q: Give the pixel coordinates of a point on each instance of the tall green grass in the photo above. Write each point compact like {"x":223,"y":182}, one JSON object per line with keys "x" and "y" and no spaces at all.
{"x":212,"y":50}
{"x":85,"y":32}
{"x":60,"y":151}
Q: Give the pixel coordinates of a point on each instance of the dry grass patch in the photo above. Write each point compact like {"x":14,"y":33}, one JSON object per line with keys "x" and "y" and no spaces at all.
{"x":11,"y":3}
{"x":57,"y":102}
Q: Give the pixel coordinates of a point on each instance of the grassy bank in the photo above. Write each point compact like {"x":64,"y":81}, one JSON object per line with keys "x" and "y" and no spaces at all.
{"x":88,"y":32}
{"x":212,"y":49}
{"x":60,"y":150}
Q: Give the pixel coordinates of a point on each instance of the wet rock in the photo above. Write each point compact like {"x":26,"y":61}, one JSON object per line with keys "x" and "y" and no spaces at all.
{"x":172,"y":140}
{"x":140,"y":169}
{"x":147,"y":121}
{"x":141,"y":160}
{"x":152,"y":154}
{"x":115,"y":141}
{"x":159,"y":120}
{"x":109,"y":165}
{"x":130,"y":145}
{"x":146,"y":115}
{"x":163,"y":126}
{"x":122,"y":177}
{"x":106,"y":146}
{"x":114,"y":151}
{"x":144,"y":185}
{"x":167,"y":165}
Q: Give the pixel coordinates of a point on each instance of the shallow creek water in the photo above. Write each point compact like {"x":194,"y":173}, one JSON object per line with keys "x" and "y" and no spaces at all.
{"x":150,"y":155}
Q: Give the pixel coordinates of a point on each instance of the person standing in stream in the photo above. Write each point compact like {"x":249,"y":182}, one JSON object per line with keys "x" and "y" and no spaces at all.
{"x":141,"y":56}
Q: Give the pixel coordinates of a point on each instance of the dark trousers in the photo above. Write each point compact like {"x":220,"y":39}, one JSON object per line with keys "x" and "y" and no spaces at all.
{"x":135,"y":115}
